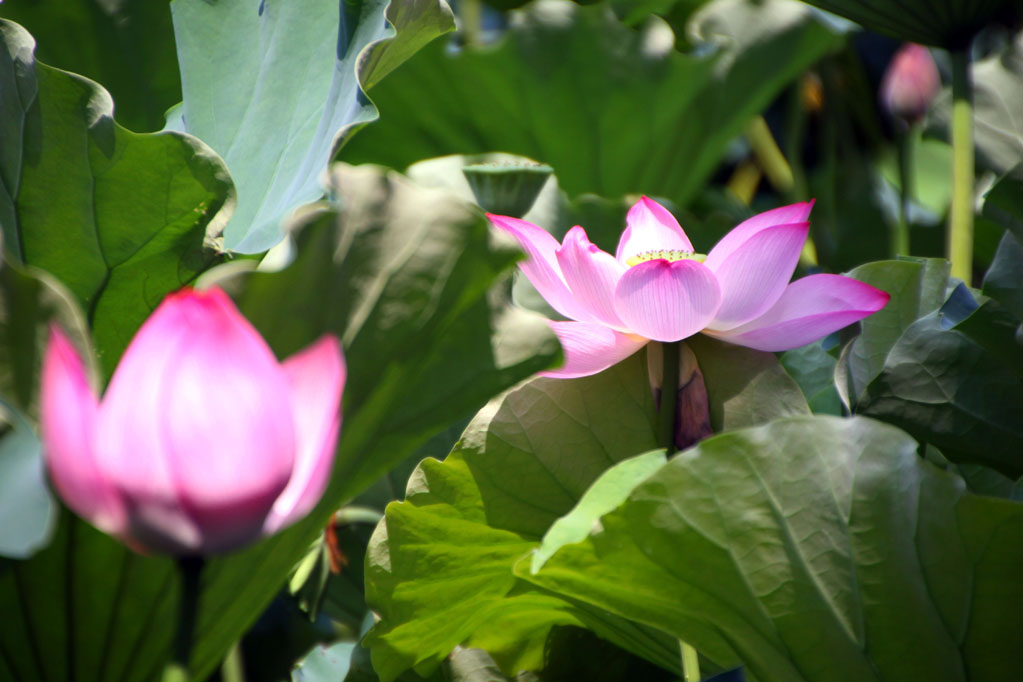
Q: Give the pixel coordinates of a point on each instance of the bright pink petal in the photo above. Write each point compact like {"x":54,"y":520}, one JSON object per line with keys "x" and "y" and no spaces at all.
{"x":591,"y":274}
{"x":667,"y":301}
{"x":227,"y":424}
{"x":67,"y":415}
{"x":786,"y":215}
{"x":650,"y":227}
{"x":755,"y":274}
{"x":128,"y":445}
{"x":809,"y":309}
{"x":541,"y":267}
{"x":590,"y":348}
{"x":196,"y":427}
{"x":316,"y":377}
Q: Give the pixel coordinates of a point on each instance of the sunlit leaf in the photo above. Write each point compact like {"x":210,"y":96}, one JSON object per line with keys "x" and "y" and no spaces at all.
{"x":120,"y":218}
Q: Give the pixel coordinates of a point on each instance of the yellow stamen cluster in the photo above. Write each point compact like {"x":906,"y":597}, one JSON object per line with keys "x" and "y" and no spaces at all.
{"x":669,"y":255}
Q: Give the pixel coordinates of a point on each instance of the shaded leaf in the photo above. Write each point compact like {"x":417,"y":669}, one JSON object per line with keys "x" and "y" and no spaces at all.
{"x":744,"y":386}
{"x":917,"y":288}
{"x":813,"y":368}
{"x":277,"y":87}
{"x":942,"y":23}
{"x":956,"y":388}
{"x":126,"y":45}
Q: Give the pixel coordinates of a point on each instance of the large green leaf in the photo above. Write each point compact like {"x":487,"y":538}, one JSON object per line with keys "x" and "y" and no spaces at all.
{"x":811,"y":549}
{"x":960,"y":388}
{"x":917,"y":288}
{"x":439,"y":567}
{"x":610,"y":110}
{"x":276,"y":87}
{"x":402,"y":274}
{"x":942,"y":23}
{"x":118,"y":217}
{"x":938,"y":366}
{"x":126,"y":45}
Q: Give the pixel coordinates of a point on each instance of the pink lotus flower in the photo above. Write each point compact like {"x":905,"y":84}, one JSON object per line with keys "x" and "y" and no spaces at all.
{"x":203,"y":441}
{"x":655,"y":288}
{"x":911,"y":83}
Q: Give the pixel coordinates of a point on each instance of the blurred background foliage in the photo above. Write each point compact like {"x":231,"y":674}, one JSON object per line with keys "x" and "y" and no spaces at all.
{"x":718,"y":108}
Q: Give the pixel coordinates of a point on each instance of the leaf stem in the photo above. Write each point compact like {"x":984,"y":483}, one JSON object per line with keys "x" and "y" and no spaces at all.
{"x":190,"y":569}
{"x":960,"y":232}
{"x":900,"y":235}
{"x":471,"y":15}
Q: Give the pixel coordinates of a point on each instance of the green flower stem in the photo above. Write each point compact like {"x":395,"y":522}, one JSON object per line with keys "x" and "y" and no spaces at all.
{"x":768,"y":154}
{"x":667,"y":415}
{"x":233,"y":668}
{"x":960,"y":232}
{"x":190,"y":569}
{"x":900,"y":235}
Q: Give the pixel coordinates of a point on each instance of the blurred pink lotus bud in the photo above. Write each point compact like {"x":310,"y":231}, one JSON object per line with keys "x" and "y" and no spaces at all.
{"x":203,"y":442}
{"x":911,"y":83}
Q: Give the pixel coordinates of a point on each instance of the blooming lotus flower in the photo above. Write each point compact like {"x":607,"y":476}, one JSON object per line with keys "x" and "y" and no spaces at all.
{"x":910,"y":83}
{"x":203,"y":442}
{"x":656,"y":288}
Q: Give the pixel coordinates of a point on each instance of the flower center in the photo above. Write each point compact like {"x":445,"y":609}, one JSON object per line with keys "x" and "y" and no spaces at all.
{"x":669,"y":255}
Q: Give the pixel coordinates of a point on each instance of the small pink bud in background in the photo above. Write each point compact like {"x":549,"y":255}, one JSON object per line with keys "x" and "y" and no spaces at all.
{"x":910,"y":84}
{"x":203,"y":442}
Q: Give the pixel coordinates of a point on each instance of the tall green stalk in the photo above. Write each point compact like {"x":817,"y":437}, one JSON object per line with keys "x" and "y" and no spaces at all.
{"x":900,"y":235}
{"x":667,"y":427}
{"x":960,"y":229}
{"x":190,"y":569}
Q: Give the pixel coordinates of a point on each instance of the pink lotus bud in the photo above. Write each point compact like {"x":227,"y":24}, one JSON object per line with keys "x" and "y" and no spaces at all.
{"x":203,"y":442}
{"x":911,"y":83}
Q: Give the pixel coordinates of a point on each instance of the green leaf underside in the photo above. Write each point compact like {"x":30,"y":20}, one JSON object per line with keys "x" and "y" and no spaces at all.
{"x":573,"y":88}
{"x":30,"y":300}
{"x":812,"y":548}
{"x":439,"y":567}
{"x":942,"y":23}
{"x":276,"y":87}
{"x":65,"y":204}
